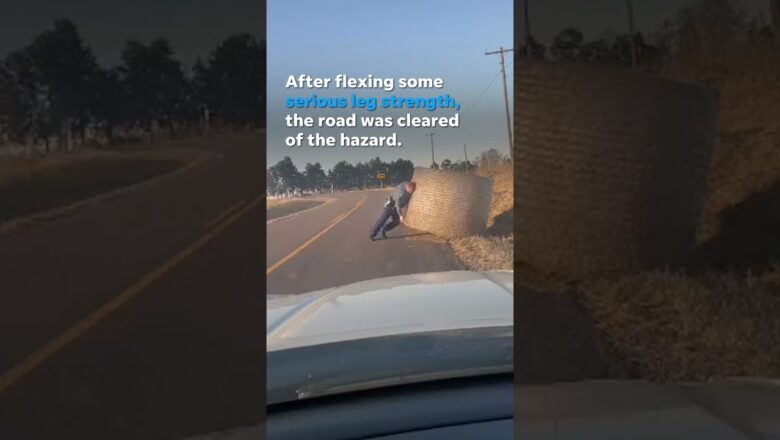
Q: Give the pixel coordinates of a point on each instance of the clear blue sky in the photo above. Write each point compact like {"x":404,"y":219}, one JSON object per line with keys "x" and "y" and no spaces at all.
{"x":432,"y":38}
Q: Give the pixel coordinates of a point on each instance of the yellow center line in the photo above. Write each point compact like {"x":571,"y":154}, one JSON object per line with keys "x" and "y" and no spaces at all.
{"x":300,"y":248}
{"x":225,"y":213}
{"x":35,"y":359}
{"x":338,"y":218}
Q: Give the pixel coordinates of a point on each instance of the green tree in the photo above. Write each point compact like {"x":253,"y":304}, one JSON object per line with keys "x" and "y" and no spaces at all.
{"x":201,"y":93}
{"x":13,"y":111}
{"x":108,"y":109}
{"x":399,"y":171}
{"x":31,"y":120}
{"x":342,"y":175}
{"x":55,"y":75}
{"x":706,"y":25}
{"x":759,"y":32}
{"x":461,"y":165}
{"x":68,"y":66}
{"x":314,"y":176}
{"x":285,"y":175}
{"x":232,"y":83}
{"x":363,"y":176}
{"x":271,"y":183}
{"x":538,"y":50}
{"x":155,"y":84}
{"x":567,"y":45}
{"x":490,"y":158}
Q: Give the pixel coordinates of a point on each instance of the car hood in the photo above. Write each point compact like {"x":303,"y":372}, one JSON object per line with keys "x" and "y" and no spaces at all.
{"x":399,"y":305}
{"x":730,"y":409}
{"x":736,"y":409}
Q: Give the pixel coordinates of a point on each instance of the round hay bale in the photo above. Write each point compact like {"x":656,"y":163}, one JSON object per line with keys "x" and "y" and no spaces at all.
{"x":610,"y":167}
{"x":449,"y":203}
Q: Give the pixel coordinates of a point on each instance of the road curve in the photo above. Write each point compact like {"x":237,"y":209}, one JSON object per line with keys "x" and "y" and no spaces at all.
{"x":343,"y":254}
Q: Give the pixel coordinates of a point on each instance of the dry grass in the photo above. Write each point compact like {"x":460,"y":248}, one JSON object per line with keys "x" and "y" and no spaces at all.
{"x":670,"y":326}
{"x":746,"y":159}
{"x":15,"y":167}
{"x":503,"y":191}
{"x":48,"y":186}
{"x":278,"y":208}
{"x":484,"y":253}
{"x":273,"y":203}
{"x":495,"y":251}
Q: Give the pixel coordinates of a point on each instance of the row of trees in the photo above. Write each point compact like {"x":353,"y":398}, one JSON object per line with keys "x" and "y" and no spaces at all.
{"x":284,"y":176}
{"x":55,"y":90}
{"x":458,"y":165}
{"x":706,"y":25}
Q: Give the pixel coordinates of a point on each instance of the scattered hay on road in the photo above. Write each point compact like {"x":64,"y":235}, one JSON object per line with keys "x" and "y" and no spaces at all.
{"x":671,"y":326}
{"x":495,"y":250}
{"x":480,"y":253}
{"x":500,"y":218}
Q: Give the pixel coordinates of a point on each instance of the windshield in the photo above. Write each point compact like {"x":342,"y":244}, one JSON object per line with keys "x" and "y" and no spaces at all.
{"x":639,"y":236}
{"x":405,"y":247}
{"x":600,"y":179}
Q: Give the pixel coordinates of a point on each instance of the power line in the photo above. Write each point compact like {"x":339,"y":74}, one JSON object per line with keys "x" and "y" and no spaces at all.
{"x":486,"y":89}
{"x":501,"y":51}
{"x":483,"y":92}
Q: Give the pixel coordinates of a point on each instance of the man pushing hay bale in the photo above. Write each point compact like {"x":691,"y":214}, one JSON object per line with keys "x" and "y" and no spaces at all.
{"x":394,"y":209}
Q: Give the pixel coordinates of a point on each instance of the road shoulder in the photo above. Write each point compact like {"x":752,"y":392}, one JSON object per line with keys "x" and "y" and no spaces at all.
{"x":189,"y":159}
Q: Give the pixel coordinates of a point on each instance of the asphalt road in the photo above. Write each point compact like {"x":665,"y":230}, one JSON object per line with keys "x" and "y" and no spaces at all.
{"x":140,"y":318}
{"x":328,"y":246}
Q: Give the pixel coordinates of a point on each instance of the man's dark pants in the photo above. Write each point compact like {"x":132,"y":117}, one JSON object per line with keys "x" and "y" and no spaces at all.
{"x":389,"y":212}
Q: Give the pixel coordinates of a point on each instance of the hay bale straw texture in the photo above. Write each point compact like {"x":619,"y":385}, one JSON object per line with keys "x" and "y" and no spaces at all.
{"x":449,"y":203}
{"x":610,"y":167}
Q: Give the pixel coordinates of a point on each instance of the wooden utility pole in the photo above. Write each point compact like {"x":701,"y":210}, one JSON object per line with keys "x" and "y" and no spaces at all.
{"x":527,"y":29}
{"x":630,"y":11}
{"x":774,"y":7}
{"x":433,"y":157}
{"x":500,"y":53}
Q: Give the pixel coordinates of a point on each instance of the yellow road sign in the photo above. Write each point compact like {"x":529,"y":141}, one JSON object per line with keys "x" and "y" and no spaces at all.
{"x":380,"y":176}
